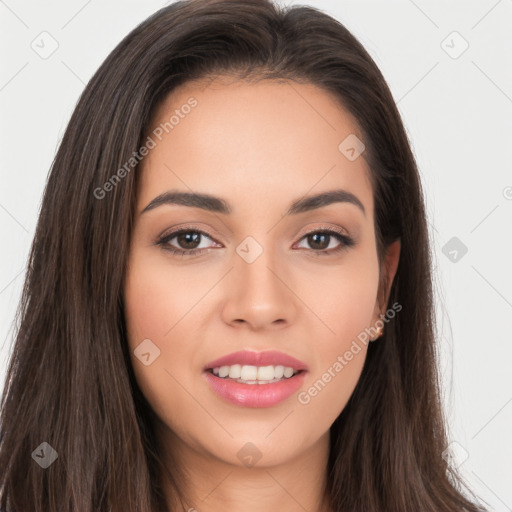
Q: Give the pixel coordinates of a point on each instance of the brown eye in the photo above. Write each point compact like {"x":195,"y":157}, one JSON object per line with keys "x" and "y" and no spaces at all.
{"x":320,"y":241}
{"x":187,"y":242}
{"x":188,"y":239}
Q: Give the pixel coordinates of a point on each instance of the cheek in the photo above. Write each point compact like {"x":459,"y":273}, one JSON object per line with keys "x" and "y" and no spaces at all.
{"x":343,"y":301}
{"x":344,"y":310}
{"x":146,"y":300}
{"x":158,"y":296}
{"x":156,"y":304}
{"x":165,"y":303}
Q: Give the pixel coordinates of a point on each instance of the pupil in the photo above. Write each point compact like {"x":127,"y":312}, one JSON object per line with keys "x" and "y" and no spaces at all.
{"x":324,"y":236}
{"x":186,"y":238}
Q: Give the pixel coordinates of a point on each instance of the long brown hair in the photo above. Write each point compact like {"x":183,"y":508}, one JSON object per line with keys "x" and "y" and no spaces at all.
{"x":70,"y":382}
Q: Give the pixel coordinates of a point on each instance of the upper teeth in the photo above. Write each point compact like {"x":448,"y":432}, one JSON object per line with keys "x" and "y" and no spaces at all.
{"x":251,"y":373}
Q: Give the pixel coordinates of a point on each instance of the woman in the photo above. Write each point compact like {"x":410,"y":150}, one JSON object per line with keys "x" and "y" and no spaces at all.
{"x":228,"y":302}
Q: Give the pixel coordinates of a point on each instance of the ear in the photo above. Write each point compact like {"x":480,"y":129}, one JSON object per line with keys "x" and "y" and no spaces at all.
{"x":388,"y":272}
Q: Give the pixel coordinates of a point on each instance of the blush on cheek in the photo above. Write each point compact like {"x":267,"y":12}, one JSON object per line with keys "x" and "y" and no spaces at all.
{"x":350,"y":313}
{"x":146,"y":310}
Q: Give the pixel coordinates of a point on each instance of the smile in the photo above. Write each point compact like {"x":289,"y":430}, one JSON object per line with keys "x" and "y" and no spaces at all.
{"x":255,"y":379}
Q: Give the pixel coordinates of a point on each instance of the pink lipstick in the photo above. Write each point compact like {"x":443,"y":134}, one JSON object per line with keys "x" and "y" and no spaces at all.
{"x":255,"y":379}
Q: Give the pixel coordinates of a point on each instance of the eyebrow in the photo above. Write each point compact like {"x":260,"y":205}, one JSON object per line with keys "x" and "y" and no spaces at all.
{"x":219,"y":205}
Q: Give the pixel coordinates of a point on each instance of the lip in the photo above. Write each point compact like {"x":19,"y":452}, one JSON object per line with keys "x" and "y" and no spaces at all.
{"x":267,"y":358}
{"x":254,"y":395}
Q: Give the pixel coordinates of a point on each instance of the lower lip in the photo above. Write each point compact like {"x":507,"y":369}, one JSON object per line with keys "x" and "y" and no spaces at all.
{"x":255,"y":395}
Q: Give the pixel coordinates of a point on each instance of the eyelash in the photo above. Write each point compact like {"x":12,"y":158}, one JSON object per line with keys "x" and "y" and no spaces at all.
{"x":346,"y":242}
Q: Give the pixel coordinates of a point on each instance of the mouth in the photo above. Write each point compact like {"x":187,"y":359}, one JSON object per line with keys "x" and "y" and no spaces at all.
{"x":255,"y":379}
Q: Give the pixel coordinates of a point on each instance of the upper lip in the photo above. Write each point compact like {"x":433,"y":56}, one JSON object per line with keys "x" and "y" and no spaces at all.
{"x":267,"y":358}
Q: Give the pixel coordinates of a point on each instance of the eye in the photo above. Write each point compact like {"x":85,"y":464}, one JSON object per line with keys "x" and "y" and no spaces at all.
{"x":188,"y":240}
{"x":322,"y":241}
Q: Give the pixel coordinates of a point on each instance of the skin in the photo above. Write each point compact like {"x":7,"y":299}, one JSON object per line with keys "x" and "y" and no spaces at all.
{"x":259,"y":146}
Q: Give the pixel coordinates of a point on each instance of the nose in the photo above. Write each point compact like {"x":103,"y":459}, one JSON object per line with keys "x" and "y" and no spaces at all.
{"x":259,"y":294}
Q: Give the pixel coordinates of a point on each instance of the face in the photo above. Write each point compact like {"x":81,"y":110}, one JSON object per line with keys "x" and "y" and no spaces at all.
{"x":258,"y":269}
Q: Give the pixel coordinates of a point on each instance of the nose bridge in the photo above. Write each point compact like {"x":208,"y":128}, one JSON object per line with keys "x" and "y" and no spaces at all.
{"x":257,"y":293}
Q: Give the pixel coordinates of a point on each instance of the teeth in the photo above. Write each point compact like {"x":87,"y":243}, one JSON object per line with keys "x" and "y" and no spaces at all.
{"x":254,"y":374}
{"x":235,"y":371}
{"x":249,"y":373}
{"x":265,"y":373}
{"x":278,"y":372}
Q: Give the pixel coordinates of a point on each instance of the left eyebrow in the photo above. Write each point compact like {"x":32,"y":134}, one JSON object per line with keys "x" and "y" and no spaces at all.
{"x":219,"y":205}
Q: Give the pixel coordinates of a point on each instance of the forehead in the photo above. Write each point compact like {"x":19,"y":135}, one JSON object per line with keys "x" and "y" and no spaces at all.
{"x":261,"y":140}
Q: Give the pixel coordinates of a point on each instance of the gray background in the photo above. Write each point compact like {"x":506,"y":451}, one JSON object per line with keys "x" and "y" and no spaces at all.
{"x":457,"y":108}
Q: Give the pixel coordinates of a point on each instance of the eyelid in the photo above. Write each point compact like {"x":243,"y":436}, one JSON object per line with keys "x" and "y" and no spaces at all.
{"x":325,"y":227}
{"x":209,"y":232}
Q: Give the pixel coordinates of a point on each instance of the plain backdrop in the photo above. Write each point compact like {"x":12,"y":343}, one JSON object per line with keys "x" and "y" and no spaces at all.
{"x":449,"y":68}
